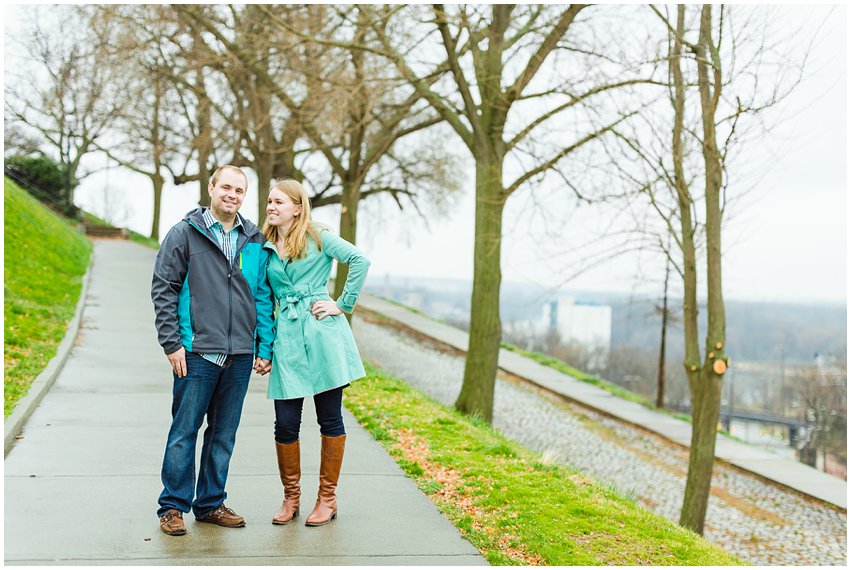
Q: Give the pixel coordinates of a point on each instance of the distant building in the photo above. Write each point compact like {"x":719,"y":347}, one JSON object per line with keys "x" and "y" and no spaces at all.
{"x":827,"y":363}
{"x":588,"y":324}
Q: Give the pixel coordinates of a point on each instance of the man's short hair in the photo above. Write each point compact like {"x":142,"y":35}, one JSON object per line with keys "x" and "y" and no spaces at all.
{"x":218,"y":173}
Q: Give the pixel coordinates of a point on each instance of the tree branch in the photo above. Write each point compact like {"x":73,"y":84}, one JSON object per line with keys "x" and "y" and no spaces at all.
{"x":547,"y":46}
{"x":573,"y":101}
{"x":564,"y":152}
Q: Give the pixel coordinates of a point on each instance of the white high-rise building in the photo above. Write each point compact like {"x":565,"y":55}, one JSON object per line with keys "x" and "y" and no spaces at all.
{"x":588,"y":324}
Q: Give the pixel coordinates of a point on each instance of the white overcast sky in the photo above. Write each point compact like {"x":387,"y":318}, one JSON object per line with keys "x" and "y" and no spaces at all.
{"x":788,"y":242}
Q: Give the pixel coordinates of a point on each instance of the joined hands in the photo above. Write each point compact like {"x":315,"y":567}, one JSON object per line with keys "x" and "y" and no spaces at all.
{"x":262,"y":366}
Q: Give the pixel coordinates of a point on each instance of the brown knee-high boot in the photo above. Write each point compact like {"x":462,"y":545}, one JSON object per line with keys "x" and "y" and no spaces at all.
{"x":329,"y":473}
{"x":289,"y":466}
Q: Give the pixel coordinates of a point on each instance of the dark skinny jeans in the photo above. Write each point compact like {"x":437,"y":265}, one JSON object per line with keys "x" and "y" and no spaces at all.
{"x":329,"y":414}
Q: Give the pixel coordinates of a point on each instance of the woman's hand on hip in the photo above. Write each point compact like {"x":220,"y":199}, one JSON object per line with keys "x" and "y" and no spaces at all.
{"x":322,"y":309}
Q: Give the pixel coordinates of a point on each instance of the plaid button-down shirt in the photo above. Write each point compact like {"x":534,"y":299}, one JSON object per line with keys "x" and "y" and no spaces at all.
{"x":227,"y":242}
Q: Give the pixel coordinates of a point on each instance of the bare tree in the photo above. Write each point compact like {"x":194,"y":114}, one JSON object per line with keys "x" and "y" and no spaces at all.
{"x":690,"y":171}
{"x":823,"y":392}
{"x":267,"y":133}
{"x":351,"y":115}
{"x":495,"y":56}
{"x":190,"y":67}
{"x":147,"y":133}
{"x":144,"y":146}
{"x":379,"y":113}
{"x":197,"y":79}
{"x":18,"y":140}
{"x":111,"y":205}
{"x":68,"y":93}
{"x":665,"y":313}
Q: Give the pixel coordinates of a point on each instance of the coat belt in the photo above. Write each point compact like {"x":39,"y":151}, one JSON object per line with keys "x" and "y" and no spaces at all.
{"x":291,"y":299}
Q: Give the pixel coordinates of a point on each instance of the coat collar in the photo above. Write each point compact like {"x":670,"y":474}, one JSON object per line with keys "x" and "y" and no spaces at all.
{"x":249,"y":228}
{"x":270,"y":246}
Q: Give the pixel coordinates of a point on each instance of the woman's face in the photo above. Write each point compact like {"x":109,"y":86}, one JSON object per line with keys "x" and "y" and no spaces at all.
{"x":280,"y":209}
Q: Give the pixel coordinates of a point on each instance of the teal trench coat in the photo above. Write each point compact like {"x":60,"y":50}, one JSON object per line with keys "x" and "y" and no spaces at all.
{"x":310,"y":356}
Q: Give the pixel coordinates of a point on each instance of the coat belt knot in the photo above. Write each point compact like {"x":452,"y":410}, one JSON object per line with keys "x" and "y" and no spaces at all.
{"x":292,"y":298}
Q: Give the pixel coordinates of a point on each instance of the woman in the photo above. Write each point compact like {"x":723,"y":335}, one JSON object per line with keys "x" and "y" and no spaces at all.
{"x":314,"y":353}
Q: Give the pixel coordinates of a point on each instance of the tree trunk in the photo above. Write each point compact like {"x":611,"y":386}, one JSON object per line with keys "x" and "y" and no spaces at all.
{"x":204,"y":142}
{"x":265,"y":153}
{"x":205,"y":149}
{"x":706,"y":402}
{"x":348,"y":229}
{"x":694,"y":508}
{"x":357,"y":112}
{"x":285,"y":166}
{"x":264,"y":169}
{"x":71,"y":172}
{"x":706,"y":393}
{"x":158,"y":146}
{"x":660,"y":380}
{"x":807,"y":456}
{"x":158,"y":191}
{"x":477,"y":391}
{"x":203,"y":184}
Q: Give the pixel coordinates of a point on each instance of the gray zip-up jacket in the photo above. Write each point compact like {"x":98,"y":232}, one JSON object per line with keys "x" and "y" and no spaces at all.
{"x":204,"y":304}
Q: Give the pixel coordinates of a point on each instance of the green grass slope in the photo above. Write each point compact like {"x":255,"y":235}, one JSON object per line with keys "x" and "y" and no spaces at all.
{"x":511,"y":504}
{"x":44,"y":261}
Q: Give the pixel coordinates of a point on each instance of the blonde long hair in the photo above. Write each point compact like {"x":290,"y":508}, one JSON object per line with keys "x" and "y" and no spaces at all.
{"x":295,"y":242}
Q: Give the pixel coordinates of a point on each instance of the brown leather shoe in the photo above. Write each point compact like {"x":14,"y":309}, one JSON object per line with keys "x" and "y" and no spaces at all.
{"x":172,"y":523}
{"x":289,"y":467}
{"x":329,"y":473}
{"x":223,"y":516}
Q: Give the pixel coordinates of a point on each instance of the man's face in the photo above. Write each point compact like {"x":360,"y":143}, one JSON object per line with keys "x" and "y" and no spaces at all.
{"x":227,"y":195}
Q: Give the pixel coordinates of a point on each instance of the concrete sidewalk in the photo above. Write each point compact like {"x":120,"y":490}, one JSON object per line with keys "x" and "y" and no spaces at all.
{"x":787,"y":472}
{"x":81,"y":486}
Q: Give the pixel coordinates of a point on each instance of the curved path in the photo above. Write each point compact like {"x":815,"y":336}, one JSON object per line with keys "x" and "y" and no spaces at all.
{"x":81,"y":486}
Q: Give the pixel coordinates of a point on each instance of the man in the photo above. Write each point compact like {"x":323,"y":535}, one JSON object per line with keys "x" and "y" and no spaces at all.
{"x":213,"y":315}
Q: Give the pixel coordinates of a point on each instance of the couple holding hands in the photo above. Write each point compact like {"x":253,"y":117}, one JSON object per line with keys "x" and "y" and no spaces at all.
{"x":231,"y":298}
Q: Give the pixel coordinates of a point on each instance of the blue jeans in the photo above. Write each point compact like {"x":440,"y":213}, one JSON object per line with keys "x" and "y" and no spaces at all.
{"x":329,"y":415}
{"x":217,"y":392}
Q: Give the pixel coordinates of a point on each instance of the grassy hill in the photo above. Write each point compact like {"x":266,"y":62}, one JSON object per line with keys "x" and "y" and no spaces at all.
{"x":44,"y":260}
{"x":512,"y":504}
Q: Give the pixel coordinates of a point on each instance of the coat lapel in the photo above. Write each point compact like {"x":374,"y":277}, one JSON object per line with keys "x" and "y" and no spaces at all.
{"x":282,"y":265}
